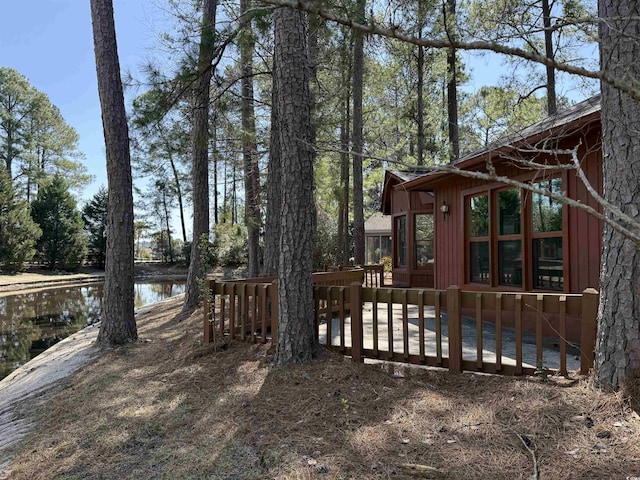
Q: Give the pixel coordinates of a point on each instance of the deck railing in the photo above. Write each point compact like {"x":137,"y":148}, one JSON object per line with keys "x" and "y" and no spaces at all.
{"x":422,"y":326}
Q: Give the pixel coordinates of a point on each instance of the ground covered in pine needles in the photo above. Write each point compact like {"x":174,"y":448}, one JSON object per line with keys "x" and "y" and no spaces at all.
{"x":170,"y":407}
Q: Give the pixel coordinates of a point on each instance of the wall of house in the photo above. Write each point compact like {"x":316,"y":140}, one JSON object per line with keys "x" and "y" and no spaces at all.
{"x":582,"y":236}
{"x":585,"y":231}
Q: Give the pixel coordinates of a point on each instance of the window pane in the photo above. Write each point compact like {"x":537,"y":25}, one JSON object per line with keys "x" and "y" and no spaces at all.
{"x":546,"y":213}
{"x":509,"y":212}
{"x":424,"y":240}
{"x":547,"y":263}
{"x":401,"y":235}
{"x":424,"y":227}
{"x":370,"y":249}
{"x":424,"y":253}
{"x":385,"y":246}
{"x":479,"y":216}
{"x":479,"y":262}
{"x":510,"y":262}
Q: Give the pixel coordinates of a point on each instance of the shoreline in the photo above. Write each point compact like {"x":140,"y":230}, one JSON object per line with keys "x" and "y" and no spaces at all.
{"x":38,"y":379}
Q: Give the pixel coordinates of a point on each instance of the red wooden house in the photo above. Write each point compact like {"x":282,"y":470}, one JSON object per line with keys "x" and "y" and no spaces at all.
{"x":449,"y":229}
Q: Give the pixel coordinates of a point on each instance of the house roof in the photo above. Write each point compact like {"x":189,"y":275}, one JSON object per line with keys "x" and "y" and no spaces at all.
{"x":396,"y":177}
{"x":564,"y":123}
{"x":378,"y":223}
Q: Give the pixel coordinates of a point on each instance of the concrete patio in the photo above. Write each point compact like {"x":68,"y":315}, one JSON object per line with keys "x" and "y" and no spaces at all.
{"x":551,"y":356}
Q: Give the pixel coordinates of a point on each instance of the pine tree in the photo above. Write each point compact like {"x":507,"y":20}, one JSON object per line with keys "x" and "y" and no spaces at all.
{"x":94,"y":215}
{"x":62,"y":244}
{"x":18,"y":232}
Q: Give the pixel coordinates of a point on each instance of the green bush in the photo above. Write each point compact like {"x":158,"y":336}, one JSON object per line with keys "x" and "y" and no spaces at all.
{"x":388,"y":264}
{"x":230,"y":244}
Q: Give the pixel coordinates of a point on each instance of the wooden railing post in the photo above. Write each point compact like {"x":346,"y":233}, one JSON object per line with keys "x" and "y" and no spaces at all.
{"x":454,"y":323}
{"x":590,"y":300}
{"x":356,"y":322}
{"x":209,"y":312}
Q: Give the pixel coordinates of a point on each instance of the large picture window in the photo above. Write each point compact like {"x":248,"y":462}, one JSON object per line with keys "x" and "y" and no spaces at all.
{"x":424,"y":240}
{"x":500,"y":223}
{"x":401,"y":235}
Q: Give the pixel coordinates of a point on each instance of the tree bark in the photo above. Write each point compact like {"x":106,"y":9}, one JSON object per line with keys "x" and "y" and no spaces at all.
{"x":214,"y":153}
{"x":552,"y":108}
{"x":452,"y":83}
{"x":358,"y":187}
{"x":118,"y":321}
{"x":200,"y":155}
{"x":274,"y":186}
{"x":250,"y":158}
{"x":618,"y":340}
{"x":296,"y":336}
{"x":420,"y":85}
{"x":176,"y":180}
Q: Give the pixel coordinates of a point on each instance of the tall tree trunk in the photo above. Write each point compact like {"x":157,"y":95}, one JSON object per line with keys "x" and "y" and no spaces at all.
{"x":200,"y":154}
{"x":176,"y":180}
{"x":345,"y":134}
{"x":358,"y":187}
{"x":296,"y":335}
{"x":250,"y":158}
{"x":274,"y":186}
{"x":618,"y":342}
{"x":452,"y":82}
{"x":420,"y":85}
{"x":165,"y":207}
{"x":420,"y":112}
{"x":552,"y":108}
{"x":118,"y":321}
{"x":214,"y":153}
{"x":343,"y":220}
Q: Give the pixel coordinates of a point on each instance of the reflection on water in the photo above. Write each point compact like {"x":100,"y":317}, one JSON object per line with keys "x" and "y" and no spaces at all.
{"x":32,"y":322}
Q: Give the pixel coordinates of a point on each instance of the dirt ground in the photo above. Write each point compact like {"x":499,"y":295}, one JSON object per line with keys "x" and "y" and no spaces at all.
{"x":170,"y":407}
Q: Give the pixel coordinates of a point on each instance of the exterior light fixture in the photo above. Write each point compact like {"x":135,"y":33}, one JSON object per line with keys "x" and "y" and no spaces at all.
{"x":444,"y":208}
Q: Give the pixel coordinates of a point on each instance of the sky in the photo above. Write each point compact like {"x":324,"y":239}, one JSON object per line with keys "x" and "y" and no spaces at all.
{"x":51,"y":43}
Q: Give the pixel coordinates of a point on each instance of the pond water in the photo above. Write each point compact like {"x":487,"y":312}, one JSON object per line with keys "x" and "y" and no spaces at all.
{"x":32,"y":322}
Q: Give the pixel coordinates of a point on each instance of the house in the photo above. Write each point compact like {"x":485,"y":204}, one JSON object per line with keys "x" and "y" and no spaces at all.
{"x":479,"y":234}
{"x":377,"y":238}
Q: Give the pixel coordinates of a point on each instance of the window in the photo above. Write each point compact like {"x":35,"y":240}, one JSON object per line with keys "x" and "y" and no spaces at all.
{"x":546,"y":237}
{"x":509,"y":238}
{"x":401,"y":235}
{"x":500,"y":223}
{"x":424,"y":240}
{"x":478,"y":208}
{"x":378,"y":246}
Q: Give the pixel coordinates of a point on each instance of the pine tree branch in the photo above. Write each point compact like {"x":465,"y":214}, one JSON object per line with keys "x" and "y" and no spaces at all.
{"x":629,"y":86}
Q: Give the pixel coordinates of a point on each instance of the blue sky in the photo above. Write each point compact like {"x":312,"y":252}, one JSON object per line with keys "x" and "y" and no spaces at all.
{"x":51,"y":43}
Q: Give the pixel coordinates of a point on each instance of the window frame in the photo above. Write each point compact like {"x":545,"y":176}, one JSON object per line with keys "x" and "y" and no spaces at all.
{"x":469,"y":239}
{"x":396,"y":245}
{"x":526,"y":235}
{"x":553,"y":234}
{"x":494,"y":230}
{"x":429,"y":265}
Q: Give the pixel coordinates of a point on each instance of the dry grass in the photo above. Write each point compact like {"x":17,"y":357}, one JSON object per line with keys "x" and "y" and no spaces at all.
{"x":169,"y":407}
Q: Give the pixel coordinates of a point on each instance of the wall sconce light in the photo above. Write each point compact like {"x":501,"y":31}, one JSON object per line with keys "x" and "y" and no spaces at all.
{"x":444,"y":208}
